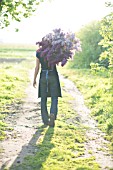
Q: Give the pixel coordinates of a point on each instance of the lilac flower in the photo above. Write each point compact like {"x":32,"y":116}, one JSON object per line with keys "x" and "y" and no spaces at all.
{"x":58,"y":47}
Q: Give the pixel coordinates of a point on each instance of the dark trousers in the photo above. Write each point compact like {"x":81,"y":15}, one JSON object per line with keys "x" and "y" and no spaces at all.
{"x":53,"y":108}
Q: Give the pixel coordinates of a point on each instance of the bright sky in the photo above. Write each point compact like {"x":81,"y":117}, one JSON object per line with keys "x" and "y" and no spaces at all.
{"x":69,"y":15}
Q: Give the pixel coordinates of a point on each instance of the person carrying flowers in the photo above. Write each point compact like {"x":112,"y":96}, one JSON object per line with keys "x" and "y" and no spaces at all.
{"x":54,"y":48}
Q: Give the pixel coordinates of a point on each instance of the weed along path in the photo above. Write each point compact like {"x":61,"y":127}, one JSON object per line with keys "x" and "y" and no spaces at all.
{"x":25,"y":120}
{"x":95,"y":138}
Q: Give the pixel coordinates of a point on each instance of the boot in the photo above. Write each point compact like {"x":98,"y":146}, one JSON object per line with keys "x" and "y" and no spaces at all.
{"x":52,"y":120}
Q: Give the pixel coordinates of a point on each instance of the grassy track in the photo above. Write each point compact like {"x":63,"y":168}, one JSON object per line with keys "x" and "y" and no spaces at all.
{"x":62,"y":147}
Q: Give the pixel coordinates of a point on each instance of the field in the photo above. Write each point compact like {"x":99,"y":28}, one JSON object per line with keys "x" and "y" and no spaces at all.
{"x":62,"y":147}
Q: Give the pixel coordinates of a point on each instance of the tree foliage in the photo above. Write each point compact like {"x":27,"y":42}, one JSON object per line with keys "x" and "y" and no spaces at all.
{"x":16,"y":10}
{"x":107,"y":41}
{"x":90,"y":37}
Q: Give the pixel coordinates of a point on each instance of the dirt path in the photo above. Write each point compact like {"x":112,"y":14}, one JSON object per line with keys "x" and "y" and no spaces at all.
{"x":27,"y":118}
{"x":24,"y":120}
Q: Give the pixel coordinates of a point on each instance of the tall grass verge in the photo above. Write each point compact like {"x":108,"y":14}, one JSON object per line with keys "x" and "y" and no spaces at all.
{"x":96,"y":90}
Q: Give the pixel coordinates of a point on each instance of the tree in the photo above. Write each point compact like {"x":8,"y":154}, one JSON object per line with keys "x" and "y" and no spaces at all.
{"x":107,"y":42}
{"x":16,"y":10}
{"x":90,"y":37}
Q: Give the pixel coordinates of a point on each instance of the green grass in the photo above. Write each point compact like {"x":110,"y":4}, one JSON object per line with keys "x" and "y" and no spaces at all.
{"x":61,"y":147}
{"x":97,"y":92}
{"x":14,"y":77}
{"x":16,"y":50}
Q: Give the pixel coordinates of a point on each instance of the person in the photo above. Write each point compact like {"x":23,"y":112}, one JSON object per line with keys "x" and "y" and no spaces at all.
{"x":49,"y":86}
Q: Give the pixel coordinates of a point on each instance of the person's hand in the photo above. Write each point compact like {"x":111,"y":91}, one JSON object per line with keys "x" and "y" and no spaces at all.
{"x":34,"y":84}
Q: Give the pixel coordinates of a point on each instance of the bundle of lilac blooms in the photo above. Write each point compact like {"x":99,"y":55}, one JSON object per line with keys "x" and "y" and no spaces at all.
{"x":58,"y":47}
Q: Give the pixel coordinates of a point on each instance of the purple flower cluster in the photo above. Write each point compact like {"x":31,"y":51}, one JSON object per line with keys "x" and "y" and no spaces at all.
{"x":58,"y":47}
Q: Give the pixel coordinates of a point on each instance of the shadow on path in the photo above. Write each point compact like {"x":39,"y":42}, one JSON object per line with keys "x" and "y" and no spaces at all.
{"x":36,"y":152}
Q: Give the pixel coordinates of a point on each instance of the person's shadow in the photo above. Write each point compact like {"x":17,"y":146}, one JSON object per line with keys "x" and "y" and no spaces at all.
{"x":33,"y":155}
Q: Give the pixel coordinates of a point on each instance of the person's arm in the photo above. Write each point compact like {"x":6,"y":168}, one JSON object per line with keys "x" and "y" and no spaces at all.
{"x":36,"y":72}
